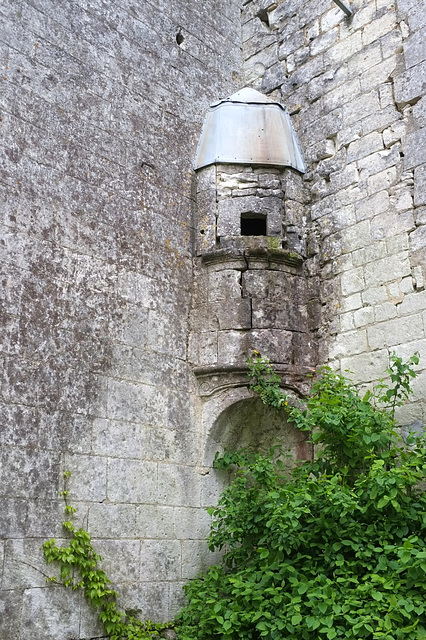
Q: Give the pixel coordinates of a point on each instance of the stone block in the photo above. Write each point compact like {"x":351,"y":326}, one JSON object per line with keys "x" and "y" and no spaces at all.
{"x":412,"y":303}
{"x":348,"y":344}
{"x":175,"y":443}
{"x":376,"y":251}
{"x":45,"y":518}
{"x":392,"y":332}
{"x":331,"y":18}
{"x":160,"y":560}
{"x":347,"y":322}
{"x":24,"y":564}
{"x":225,"y":285}
{"x":10,"y":613}
{"x":365,"y":104}
{"x":387,"y":270}
{"x":203,"y":348}
{"x":178,"y":485}
{"x":356,"y":236}
{"x":397,"y":244}
{"x":418,"y":278}
{"x":177,"y":598}
{"x":131,"y":481}
{"x":363,"y":316}
{"x":380,"y":160}
{"x":385,"y":311}
{"x":418,"y":239}
{"x":29,"y":473}
{"x":415,"y":49}
{"x":294,"y":212}
{"x":409,"y":85}
{"x":402,"y":199}
{"x":231,"y":347}
{"x":275,"y":343}
{"x":155,"y":521}
{"x":344,"y":49}
{"x":352,"y":281}
{"x":167,"y":333}
{"x":117,"y":439}
{"x":406,"y":350}
{"x":365,"y":146}
{"x":378,"y":28}
{"x":234,"y":314}
{"x":150,"y":598}
{"x":135,"y":403}
{"x":420,"y":216}
{"x":206,"y":179}
{"x":415,"y":149}
{"x":419,"y":111}
{"x":112,"y":520}
{"x":370,"y":56}
{"x":284,"y":315}
{"x":324,"y":41}
{"x":50,"y":612}
{"x":191,"y":524}
{"x":420,"y":185}
{"x":390,"y":223}
{"x":241,"y":181}
{"x":120,"y":559}
{"x":13,"y":517}
{"x":366,"y":367}
{"x":195,"y":557}
{"x":88,"y":476}
{"x":381,"y":120}
{"x":381,"y":181}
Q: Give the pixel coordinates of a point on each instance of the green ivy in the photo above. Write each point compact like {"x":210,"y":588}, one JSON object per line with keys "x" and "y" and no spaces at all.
{"x":79,"y":569}
{"x":336,"y":549}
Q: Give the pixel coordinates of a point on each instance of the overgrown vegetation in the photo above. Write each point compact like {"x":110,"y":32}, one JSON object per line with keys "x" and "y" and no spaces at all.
{"x":335,"y":550}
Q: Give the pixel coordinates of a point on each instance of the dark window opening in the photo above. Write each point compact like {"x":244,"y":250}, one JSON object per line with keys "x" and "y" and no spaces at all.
{"x":253,"y":224}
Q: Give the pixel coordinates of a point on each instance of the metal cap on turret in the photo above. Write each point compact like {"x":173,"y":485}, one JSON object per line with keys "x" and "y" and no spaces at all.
{"x":249,"y":128}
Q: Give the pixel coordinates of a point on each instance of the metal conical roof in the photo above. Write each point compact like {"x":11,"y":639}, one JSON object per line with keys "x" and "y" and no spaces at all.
{"x":249,"y":128}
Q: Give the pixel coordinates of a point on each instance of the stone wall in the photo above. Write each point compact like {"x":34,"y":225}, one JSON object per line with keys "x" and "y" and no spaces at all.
{"x":355,"y":88}
{"x":101,"y":110}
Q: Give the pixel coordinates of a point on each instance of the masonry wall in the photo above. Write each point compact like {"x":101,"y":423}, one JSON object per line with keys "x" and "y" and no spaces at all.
{"x":355,"y":88}
{"x":101,"y":110}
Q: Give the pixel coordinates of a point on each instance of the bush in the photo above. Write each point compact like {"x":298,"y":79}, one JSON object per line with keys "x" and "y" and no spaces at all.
{"x":335,"y":549}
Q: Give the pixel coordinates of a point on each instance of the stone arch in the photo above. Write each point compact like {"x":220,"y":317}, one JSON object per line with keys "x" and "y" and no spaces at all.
{"x":236,"y":418}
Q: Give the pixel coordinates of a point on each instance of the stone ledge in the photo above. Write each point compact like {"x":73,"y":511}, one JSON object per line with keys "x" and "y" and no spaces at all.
{"x":217,"y":378}
{"x":237,"y":258}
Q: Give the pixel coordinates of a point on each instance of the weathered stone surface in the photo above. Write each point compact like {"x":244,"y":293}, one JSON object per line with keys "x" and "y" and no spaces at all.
{"x":100,"y":219}
{"x":10,"y":611}
{"x":42,"y":609}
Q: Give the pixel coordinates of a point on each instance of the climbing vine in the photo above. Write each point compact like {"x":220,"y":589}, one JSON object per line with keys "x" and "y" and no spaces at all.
{"x":79,"y":569}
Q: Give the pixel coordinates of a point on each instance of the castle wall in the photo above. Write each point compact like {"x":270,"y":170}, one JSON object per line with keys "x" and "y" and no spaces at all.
{"x":101,"y":109}
{"x":355,"y":88}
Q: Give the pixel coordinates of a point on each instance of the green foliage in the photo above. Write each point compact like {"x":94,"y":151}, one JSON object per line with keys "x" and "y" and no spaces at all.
{"x":336,"y":550}
{"x":79,"y":569}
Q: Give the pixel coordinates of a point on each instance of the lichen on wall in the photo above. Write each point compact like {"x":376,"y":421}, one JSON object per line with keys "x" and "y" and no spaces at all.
{"x":101,"y":105}
{"x":103,"y":276}
{"x":354,"y":89}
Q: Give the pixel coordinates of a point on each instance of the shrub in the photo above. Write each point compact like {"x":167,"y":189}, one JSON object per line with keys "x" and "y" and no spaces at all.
{"x":335,"y":549}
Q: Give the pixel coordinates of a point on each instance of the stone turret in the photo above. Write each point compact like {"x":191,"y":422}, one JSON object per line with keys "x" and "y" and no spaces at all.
{"x":250,"y":287}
